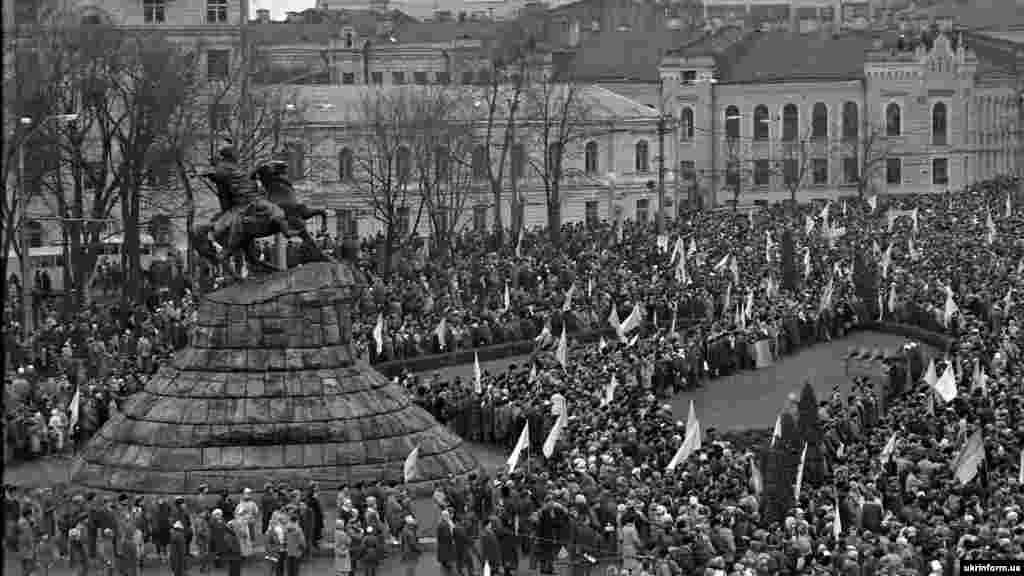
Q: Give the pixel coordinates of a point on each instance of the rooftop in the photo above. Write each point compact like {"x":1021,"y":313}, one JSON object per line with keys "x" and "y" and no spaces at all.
{"x":630,"y":56}
{"x":976,"y":14}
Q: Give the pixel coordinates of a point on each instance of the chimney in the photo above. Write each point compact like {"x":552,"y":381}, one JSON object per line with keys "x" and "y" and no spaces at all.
{"x":263,"y":16}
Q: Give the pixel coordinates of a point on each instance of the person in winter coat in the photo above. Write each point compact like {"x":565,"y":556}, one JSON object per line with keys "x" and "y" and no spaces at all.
{"x":342,"y":546}
{"x":490,"y":548}
{"x":630,"y":545}
{"x":231,"y":551}
{"x":463,"y":548}
{"x":446,"y":543}
{"x":372,"y":551}
{"x":410,"y":545}
{"x":295,"y":545}
{"x":106,"y":550}
{"x":274,"y":545}
{"x":177,"y":551}
{"x":78,"y":556}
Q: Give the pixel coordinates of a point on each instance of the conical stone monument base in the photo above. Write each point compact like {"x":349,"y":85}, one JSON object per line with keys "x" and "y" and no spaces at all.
{"x":269,"y":390}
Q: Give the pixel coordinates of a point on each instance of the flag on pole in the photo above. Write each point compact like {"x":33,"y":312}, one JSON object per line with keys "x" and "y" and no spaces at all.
{"x":662,"y":241}
{"x":966,"y":464}
{"x":748,"y":308}
{"x":522,"y":444}
{"x":632,"y":321}
{"x":807,"y":262}
{"x":734,"y":267}
{"x":979,"y":380}
{"x":950,"y":308}
{"x":889,"y":449}
{"x":826,"y":296}
{"x":590,"y":287}
{"x":441,"y":332}
{"x":675,"y":315}
{"x":881,"y":307}
{"x":562,"y":353}
{"x":378,"y":333}
{"x":768,"y":245}
{"x":533,"y":373}
{"x":681,"y":275}
{"x":777,"y":431}
{"x":519,"y":246}
{"x":508,"y":299}
{"x":837,"y":523}
{"x":602,"y":344}
{"x":568,"y":298}
{"x":548,"y":449}
{"x":946,"y":384}
{"x":800,"y":474}
{"x":887,"y":261}
{"x":74,"y":407}
{"x":914,"y":216}
{"x":410,"y":468}
{"x":1020,"y":469}
{"x":892,"y":297}
{"x":931,"y":377}
{"x":824,"y":212}
{"x":478,"y":375}
{"x":632,"y":341}
{"x":756,"y":479}
{"x":691,"y":443}
{"x":692,"y":250}
{"x":613,"y":317}
{"x":678,"y":249}
{"x":808,"y":224}
{"x":990,"y":236}
{"x":1008,"y":210}
{"x":487,"y":569}
{"x":912,"y":249}
{"x":723,"y":263}
{"x":873,"y":202}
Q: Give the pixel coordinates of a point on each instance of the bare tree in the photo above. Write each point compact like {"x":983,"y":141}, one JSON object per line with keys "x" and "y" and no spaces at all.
{"x":501,"y":100}
{"x":382,"y":162}
{"x":795,"y":161}
{"x":871,"y":151}
{"x":559,"y":116}
{"x":441,"y":136}
{"x":734,"y":171}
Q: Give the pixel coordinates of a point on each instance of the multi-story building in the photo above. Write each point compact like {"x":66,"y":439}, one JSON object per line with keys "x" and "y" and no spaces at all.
{"x":775,"y":114}
{"x":609,"y":167}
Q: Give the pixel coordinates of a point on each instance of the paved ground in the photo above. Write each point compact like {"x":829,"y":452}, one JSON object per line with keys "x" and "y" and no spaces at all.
{"x":745,"y":400}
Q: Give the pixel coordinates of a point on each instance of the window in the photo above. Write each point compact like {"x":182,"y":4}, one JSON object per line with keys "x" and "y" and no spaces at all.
{"x":940,"y":171}
{"x":34,"y":232}
{"x":348,"y":78}
{"x":732,"y":123}
{"x":893,"y":120}
{"x":443,"y":78}
{"x":791,"y":172}
{"x":850,"y":121}
{"x":220,"y":117}
{"x":762,"y":122}
{"x":689,"y":76}
{"x":440,"y":221}
{"x":480,"y":217}
{"x":345,"y":223}
{"x":419,"y":77}
{"x":642,"y":161}
{"x":480,"y":163}
{"x":402,"y":220}
{"x":688,"y":170}
{"x":217,"y":64}
{"x":686,"y":120}
{"x":154,"y":11}
{"x":517,"y":162}
{"x":403,"y":164}
{"x":377,"y":78}
{"x":350,"y":38}
{"x":851,"y":171}
{"x":819,"y":121}
{"x":819,"y":171}
{"x":893,"y":171}
{"x":732,"y":174}
{"x":591,"y":214}
{"x":216,"y":11}
{"x":441,"y":160}
{"x":467,"y":77}
{"x":790,"y":123}
{"x":590,"y":158}
{"x":345,"y":165}
{"x":296,"y":161}
{"x":939,"y":124}
{"x":398,"y":77}
{"x":762,"y":173}
{"x":643,"y":206}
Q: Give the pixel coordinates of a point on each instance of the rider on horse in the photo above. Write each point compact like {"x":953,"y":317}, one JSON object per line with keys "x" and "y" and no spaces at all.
{"x":245,"y":198}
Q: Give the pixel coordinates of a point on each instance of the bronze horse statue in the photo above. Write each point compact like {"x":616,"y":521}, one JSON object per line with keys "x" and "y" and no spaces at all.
{"x":250,"y":211}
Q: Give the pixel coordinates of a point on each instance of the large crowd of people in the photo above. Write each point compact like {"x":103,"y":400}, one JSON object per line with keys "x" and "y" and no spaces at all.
{"x":605,"y":500}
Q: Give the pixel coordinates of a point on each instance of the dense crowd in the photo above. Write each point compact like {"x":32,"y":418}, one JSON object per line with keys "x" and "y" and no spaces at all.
{"x":605,"y":497}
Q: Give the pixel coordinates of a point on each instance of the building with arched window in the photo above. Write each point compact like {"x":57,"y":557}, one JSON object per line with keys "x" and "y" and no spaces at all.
{"x":830,"y":115}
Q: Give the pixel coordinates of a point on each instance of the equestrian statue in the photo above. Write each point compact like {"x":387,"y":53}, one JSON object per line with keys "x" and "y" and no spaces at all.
{"x":256,"y":205}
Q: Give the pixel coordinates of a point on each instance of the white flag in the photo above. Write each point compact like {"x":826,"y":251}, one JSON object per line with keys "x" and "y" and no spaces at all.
{"x":800,"y":471}
{"x":508,"y":299}
{"x":727,"y":304}
{"x":678,"y":249}
{"x":748,"y":308}
{"x":602,"y":344}
{"x":931,"y":377}
{"x":613,"y":317}
{"x":478,"y":375}
{"x":892,"y":297}
{"x":887,"y":261}
{"x":691,"y":443}
{"x":807,"y":262}
{"x":950,"y":308}
{"x":662,"y":241}
{"x":1008,"y":210}
{"x":522,"y":444}
{"x":808,"y":224}
{"x":837,"y":523}
{"x":723,"y":263}
{"x":692,"y":250}
{"x":632,"y":321}
{"x":632,"y":341}
{"x":410,"y":468}
{"x":487,"y":569}
{"x":556,"y":432}
{"x":873,"y":202}
{"x":378,"y":333}
{"x":442,"y":332}
{"x":777,"y":431}
{"x":979,"y":379}
{"x":946,"y":385}
{"x":519,"y":246}
{"x":568,"y":298}
{"x":1020,"y":470}
{"x":889,"y":449}
{"x":74,"y":408}
{"x":990,"y":224}
{"x":562,"y":353}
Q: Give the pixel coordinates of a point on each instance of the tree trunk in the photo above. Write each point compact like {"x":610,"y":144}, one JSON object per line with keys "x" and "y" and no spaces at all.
{"x":190,"y":213}
{"x":554,"y":216}
{"x":499,"y":229}
{"x":130,"y":261}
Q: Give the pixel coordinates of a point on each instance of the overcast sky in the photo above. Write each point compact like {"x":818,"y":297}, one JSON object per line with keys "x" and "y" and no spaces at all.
{"x":278,"y":8}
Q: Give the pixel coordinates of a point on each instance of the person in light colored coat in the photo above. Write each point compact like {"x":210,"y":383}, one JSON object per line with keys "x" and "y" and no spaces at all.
{"x":630,"y":545}
{"x":342,"y":552}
